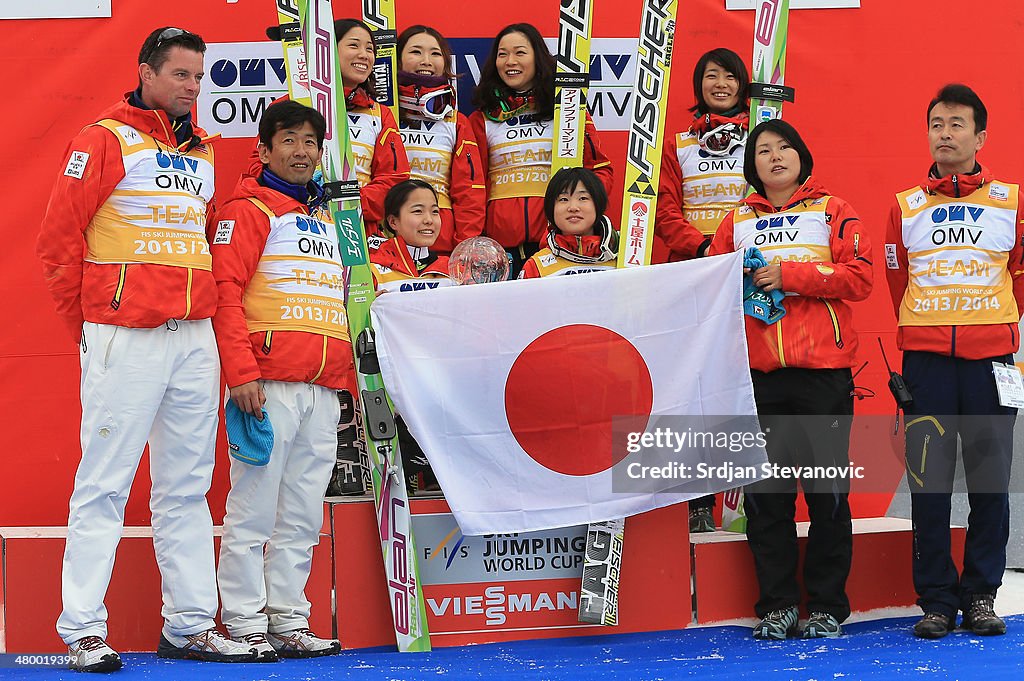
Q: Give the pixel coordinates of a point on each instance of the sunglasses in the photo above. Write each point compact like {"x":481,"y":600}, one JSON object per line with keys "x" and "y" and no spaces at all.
{"x":165,"y":35}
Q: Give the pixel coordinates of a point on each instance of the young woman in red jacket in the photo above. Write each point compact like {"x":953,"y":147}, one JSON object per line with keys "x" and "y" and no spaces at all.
{"x":581,"y":238}
{"x":377,"y":148}
{"x":439,"y":141}
{"x":819,"y":255}
{"x":513,"y":123}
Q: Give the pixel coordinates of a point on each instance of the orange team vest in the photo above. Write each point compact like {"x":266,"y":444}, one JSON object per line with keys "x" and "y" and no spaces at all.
{"x":429,"y":145}
{"x":550,"y":265}
{"x":364,"y":126}
{"x":712,"y":185}
{"x":800,"y":233}
{"x":393,"y":280}
{"x":519,"y":153}
{"x":958,"y":250}
{"x":299,"y":283}
{"x":157,"y":213}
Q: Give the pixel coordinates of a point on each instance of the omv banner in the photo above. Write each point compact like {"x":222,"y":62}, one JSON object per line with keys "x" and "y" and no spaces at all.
{"x":244,"y":78}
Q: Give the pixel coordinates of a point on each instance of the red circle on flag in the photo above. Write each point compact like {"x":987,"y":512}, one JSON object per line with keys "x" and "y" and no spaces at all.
{"x":563,"y":390}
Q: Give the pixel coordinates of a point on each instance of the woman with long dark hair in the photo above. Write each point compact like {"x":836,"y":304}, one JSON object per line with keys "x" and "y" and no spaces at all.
{"x":513,"y":124}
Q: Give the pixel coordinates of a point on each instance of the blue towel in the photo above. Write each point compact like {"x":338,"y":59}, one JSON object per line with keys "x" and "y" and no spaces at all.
{"x":758,"y":303}
{"x":249,"y":439}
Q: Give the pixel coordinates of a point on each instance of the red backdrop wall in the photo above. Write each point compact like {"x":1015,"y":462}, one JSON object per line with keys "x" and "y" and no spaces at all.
{"x":863,"y":79}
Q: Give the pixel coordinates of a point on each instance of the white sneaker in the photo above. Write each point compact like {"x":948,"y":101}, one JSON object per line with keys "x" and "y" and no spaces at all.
{"x":206,"y":646}
{"x":258,"y":640}
{"x":92,"y":654}
{"x":303,"y":643}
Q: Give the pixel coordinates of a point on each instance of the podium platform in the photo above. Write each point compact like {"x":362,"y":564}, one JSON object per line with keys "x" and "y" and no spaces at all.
{"x":477,"y":589}
{"x":725,"y":586}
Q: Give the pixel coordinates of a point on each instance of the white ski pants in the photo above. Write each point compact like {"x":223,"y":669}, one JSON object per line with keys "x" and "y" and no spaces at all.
{"x":275,"y":512}
{"x":159,"y":385}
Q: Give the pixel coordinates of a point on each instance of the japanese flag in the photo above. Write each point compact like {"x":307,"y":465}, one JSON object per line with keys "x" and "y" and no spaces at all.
{"x":511,"y":388}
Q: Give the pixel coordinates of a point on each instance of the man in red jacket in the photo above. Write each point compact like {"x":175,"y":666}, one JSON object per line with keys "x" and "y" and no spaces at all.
{"x":284,"y":345}
{"x":125,"y":256}
{"x":953,"y":257}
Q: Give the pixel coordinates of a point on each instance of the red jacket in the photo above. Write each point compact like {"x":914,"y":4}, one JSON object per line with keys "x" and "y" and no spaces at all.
{"x":514,"y":221}
{"x":394,"y":255}
{"x":817,"y":331}
{"x":466,"y":187}
{"x":133,"y":294}
{"x":966,"y":342}
{"x":289,"y":355}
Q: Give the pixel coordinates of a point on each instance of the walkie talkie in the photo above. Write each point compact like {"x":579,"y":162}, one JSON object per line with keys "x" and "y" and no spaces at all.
{"x":897,"y":386}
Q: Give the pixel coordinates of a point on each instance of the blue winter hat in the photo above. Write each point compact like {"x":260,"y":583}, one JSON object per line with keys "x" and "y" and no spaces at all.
{"x":249,"y":439}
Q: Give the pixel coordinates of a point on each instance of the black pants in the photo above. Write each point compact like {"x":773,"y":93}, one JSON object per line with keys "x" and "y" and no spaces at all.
{"x":957,"y":396}
{"x":806,"y":415}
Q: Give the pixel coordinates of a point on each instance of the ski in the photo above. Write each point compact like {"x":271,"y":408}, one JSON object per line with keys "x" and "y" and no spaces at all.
{"x":394,"y":518}
{"x":767,"y":93}
{"x":599,"y":594}
{"x":294,"y":54}
{"x":646,"y":131}
{"x":768,"y":90}
{"x":379,"y":15}
{"x":572,"y":78}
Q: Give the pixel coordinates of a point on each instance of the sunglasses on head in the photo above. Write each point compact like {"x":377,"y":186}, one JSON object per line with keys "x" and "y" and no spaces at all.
{"x":165,"y":35}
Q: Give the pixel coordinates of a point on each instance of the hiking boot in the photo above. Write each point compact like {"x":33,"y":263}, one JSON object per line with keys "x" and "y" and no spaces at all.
{"x":701,"y":520}
{"x":822,"y":625}
{"x":980,"y":617}
{"x":303,"y":643}
{"x":205,"y":646}
{"x":778,"y":624}
{"x":934,"y":625}
{"x":258,"y":640}
{"x":92,"y":654}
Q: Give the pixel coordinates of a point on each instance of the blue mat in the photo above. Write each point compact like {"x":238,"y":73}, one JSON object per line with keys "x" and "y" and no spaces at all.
{"x":882,"y":649}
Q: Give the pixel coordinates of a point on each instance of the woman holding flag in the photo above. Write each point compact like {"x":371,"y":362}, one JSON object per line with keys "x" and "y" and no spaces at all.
{"x":702,"y":180}
{"x":819,"y":255}
{"x":513,"y":124}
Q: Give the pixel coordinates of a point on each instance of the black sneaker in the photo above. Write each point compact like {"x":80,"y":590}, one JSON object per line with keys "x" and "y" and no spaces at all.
{"x":778,"y":624}
{"x":934,"y":625}
{"x":980,"y":618}
{"x":822,"y":625}
{"x":701,"y":520}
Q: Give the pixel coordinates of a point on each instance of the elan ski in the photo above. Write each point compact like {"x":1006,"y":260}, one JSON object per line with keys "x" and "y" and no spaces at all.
{"x":392,"y":503}
{"x":599,"y":595}
{"x":768,"y":90}
{"x":767,"y":93}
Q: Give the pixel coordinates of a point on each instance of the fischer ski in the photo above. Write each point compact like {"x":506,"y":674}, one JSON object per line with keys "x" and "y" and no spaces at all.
{"x":575,"y":21}
{"x":379,"y":15}
{"x":646,"y":131}
{"x":405,"y":592}
{"x":767,"y":93}
{"x":599,"y":594}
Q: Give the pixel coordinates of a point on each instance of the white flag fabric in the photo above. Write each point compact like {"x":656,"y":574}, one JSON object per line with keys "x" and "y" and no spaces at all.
{"x":511,"y":388}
